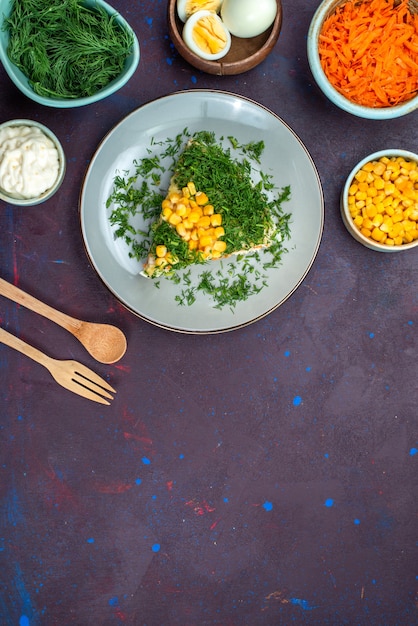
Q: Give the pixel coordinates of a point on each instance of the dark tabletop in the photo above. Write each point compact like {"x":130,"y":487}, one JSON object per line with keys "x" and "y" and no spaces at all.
{"x":265,"y":476}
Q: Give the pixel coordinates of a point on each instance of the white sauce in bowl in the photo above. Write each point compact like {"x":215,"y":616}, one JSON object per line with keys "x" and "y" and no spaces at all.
{"x":29,"y":161}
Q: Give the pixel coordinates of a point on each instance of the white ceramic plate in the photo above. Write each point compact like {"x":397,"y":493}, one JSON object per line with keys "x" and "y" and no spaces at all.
{"x":285,"y":159}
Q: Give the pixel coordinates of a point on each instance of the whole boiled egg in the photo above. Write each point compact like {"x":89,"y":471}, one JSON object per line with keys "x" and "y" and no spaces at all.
{"x":186,"y":8}
{"x":205,"y":34}
{"x":248,"y":18}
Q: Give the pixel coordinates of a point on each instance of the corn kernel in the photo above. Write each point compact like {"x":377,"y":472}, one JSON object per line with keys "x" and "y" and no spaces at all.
{"x":166,"y":212}
{"x":377,"y":234}
{"x":379,"y":168}
{"x":205,"y":241}
{"x":397,"y":216}
{"x":361,"y":176}
{"x":204,"y":221}
{"x":161,"y":251}
{"x":194,"y":217}
{"x":385,"y":227}
{"x":368,"y":167}
{"x":181,"y":230}
{"x":219,"y":246}
{"x":181,"y":209}
{"x":201,"y":198}
{"x":361,"y":195}
{"x":216,"y":219}
{"x":174,"y":219}
{"x":192,"y":188}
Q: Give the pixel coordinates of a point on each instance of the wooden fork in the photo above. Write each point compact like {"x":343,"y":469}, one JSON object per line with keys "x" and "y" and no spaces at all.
{"x":69,"y":374}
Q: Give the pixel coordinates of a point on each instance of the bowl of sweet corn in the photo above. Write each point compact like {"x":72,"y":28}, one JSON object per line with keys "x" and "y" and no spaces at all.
{"x":379,"y":201}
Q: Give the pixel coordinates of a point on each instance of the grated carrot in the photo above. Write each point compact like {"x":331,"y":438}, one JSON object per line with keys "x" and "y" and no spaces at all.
{"x":369,"y":51}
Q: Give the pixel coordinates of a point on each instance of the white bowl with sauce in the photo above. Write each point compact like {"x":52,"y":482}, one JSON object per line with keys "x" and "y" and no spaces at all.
{"x":32,"y":162}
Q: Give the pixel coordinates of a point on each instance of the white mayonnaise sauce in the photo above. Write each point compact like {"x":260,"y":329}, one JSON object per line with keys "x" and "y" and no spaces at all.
{"x":29,"y":161}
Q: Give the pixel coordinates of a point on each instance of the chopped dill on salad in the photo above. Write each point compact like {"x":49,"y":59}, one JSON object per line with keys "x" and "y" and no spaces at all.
{"x":226,"y":281}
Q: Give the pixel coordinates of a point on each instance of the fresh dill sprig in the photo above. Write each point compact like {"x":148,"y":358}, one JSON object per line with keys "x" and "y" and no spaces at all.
{"x":228,"y":289}
{"x":128,"y":200}
{"x":187,"y":296}
{"x":64,"y":48}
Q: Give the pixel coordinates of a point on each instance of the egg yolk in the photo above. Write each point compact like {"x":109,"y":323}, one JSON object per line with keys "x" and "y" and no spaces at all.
{"x":192,"y":6}
{"x":209,"y":35}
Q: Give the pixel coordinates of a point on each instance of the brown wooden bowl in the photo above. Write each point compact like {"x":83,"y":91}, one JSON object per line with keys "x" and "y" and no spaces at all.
{"x":243,"y":55}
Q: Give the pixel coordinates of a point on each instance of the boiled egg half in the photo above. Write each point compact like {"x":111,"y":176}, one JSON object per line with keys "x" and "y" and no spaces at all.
{"x":186,"y":8}
{"x":205,"y":34}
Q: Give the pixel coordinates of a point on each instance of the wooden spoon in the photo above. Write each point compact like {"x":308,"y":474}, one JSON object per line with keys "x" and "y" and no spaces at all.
{"x":104,"y":342}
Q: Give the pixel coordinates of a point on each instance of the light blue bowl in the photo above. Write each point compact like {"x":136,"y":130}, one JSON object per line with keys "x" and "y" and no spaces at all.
{"x":46,"y":195}
{"x":345,"y":209}
{"x":22,"y":82}
{"x":323,"y":11}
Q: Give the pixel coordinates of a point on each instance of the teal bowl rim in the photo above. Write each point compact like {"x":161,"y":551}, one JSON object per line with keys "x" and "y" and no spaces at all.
{"x":345,"y":212}
{"x":22,"y":82}
{"x":25,"y":202}
{"x":384,"y":113}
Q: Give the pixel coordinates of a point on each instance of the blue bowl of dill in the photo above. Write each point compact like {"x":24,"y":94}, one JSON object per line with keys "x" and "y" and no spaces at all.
{"x":70,"y":53}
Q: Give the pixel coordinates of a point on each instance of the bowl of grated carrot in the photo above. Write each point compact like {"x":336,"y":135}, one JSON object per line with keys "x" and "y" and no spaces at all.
{"x":379,"y":201}
{"x":364,"y":55}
